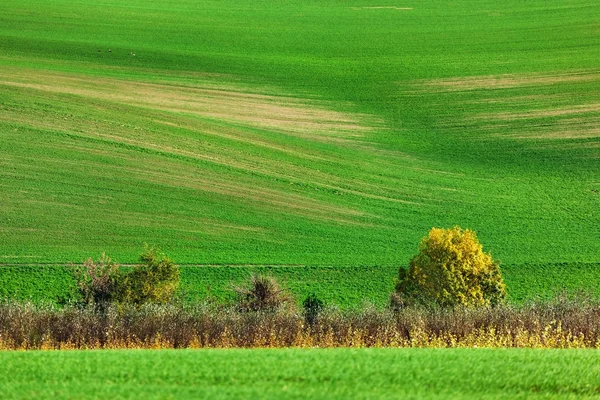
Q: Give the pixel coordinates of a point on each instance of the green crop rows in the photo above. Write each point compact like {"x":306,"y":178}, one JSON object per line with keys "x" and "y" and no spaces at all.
{"x":356,"y":286}
{"x":294,"y":374}
{"x":346,"y":287}
{"x":343,"y":286}
{"x":47,"y":284}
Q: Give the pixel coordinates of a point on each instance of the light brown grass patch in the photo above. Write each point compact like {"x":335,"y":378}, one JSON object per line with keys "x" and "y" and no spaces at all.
{"x":569,"y":128}
{"x":543,"y":113}
{"x":193,"y":141}
{"x":285,"y":114}
{"x":506,"y":81}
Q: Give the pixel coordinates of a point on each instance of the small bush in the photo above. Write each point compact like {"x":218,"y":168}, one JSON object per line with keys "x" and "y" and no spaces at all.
{"x":451,"y":269}
{"x":155,"y":281}
{"x":262,"y":293}
{"x":312,"y":307}
{"x":98,"y":281}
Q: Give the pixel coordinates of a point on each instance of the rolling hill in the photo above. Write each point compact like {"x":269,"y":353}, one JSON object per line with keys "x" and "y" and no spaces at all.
{"x":299,"y":132}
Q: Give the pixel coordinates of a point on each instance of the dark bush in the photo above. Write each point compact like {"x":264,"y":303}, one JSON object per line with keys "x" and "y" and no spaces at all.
{"x":312,"y":306}
{"x":98,"y":281}
{"x":262,"y":293}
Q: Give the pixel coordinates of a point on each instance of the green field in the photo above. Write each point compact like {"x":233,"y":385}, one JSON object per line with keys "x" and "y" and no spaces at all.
{"x":301,"y":374}
{"x":347,"y":287}
{"x":300,"y":132}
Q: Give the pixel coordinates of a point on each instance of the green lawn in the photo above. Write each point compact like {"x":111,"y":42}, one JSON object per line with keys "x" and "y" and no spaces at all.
{"x":292,"y":373}
{"x":298,"y":132}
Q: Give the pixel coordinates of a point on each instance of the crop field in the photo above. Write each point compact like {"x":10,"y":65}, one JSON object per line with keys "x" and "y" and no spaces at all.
{"x":293,"y":373}
{"x":304,"y":132}
{"x":316,"y":141}
{"x":347,"y":287}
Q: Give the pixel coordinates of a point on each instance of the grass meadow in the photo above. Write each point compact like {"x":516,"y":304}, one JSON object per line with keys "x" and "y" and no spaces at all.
{"x":305,"y":132}
{"x":318,"y":141}
{"x":300,"y":374}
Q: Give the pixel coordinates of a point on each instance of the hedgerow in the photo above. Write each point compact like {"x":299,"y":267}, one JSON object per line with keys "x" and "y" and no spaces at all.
{"x":563,"y":323}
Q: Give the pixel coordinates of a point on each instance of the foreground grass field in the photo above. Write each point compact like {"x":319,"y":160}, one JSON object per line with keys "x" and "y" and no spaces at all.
{"x":290,"y":373}
{"x":303,"y":132}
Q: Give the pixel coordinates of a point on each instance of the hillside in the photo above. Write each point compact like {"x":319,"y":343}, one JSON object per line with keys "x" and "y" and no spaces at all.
{"x":299,"y":132}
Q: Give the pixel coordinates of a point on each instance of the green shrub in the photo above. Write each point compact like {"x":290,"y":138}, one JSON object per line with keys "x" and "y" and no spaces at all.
{"x":155,"y":281}
{"x":262,"y":293}
{"x":312,"y":307}
{"x":450,"y":269}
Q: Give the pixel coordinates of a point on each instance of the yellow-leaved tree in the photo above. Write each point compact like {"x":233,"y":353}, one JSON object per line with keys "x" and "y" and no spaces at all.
{"x":450,"y":269}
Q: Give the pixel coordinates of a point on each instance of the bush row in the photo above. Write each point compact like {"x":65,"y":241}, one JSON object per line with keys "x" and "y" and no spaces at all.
{"x":450,"y":269}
